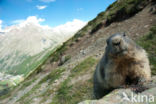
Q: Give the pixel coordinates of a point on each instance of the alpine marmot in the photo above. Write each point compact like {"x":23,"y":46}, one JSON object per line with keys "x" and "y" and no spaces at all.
{"x":124,"y":62}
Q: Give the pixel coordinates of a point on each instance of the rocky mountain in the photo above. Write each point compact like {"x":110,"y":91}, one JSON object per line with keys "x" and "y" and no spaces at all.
{"x":25,"y":46}
{"x":66,"y":75}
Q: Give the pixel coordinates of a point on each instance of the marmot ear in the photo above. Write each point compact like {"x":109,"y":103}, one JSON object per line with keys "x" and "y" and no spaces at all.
{"x":124,"y":34}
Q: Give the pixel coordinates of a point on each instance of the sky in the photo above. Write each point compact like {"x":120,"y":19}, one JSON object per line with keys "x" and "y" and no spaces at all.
{"x":50,"y":12}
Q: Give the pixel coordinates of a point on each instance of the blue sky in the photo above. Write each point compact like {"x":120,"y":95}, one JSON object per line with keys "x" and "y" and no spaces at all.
{"x":55,"y":12}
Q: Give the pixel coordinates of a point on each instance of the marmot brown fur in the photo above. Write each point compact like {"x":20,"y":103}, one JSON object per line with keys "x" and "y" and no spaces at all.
{"x":124,"y":62}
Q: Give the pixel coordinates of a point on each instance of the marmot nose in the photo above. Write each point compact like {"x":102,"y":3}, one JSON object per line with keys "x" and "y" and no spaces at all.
{"x":116,"y":43}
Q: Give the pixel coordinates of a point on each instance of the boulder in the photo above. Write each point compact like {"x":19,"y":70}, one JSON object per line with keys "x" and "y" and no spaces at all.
{"x":127,"y":96}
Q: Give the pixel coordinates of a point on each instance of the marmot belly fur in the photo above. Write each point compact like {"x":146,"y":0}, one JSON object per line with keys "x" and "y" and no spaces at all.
{"x":124,"y":62}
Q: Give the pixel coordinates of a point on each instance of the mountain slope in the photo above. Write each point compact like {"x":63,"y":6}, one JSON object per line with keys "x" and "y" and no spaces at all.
{"x":71,"y":82}
{"x":25,"y":46}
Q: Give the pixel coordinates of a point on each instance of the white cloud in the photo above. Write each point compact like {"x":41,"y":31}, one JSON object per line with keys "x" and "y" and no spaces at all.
{"x":47,"y":1}
{"x":70,"y":28}
{"x":41,"y":7}
{"x":31,"y":20}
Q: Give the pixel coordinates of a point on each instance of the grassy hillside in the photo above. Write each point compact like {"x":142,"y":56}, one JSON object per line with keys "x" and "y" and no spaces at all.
{"x":148,"y":42}
{"x":72,"y":90}
{"x":73,"y":93}
{"x":67,"y":92}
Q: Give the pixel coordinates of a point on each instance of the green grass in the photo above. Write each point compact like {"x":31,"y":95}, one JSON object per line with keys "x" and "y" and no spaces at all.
{"x":68,"y":57}
{"x":83,"y":67}
{"x":31,"y":63}
{"x":26,"y":83}
{"x":119,"y":11}
{"x":72,"y":94}
{"x":63,"y":95}
{"x":24,"y":99}
{"x":55,"y":74}
{"x":148,"y":42}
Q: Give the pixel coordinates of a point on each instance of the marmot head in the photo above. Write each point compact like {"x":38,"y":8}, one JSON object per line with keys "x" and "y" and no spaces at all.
{"x":120,"y":45}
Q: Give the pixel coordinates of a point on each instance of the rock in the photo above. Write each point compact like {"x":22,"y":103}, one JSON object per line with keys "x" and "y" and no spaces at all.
{"x":72,"y":44}
{"x":146,"y":26}
{"x":78,"y":39}
{"x":127,"y":96}
{"x":153,"y":9}
{"x":56,"y":81}
{"x":89,"y":102}
{"x":83,"y":52}
{"x":62,"y":60}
